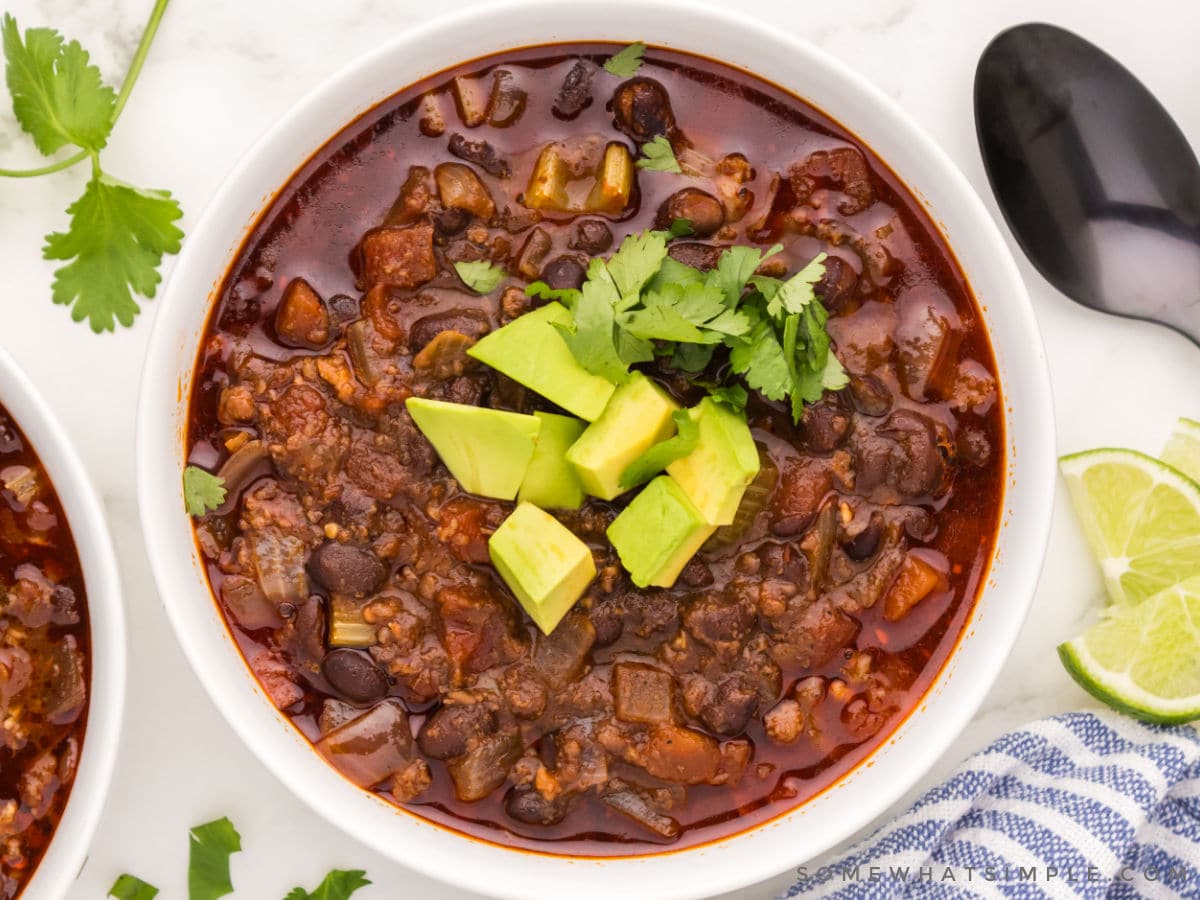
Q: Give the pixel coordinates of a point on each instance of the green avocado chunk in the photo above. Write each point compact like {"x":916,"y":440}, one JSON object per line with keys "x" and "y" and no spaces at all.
{"x":546,"y":566}
{"x":658,"y":532}
{"x":725,"y":461}
{"x":530,"y":350}
{"x":487,"y":450}
{"x":637,"y":417}
{"x":551,"y":482}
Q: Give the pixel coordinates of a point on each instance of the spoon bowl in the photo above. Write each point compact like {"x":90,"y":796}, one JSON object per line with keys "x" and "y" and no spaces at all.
{"x":1096,"y":180}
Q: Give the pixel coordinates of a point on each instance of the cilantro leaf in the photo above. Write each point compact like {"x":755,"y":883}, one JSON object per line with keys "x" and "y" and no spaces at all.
{"x":735,"y":269}
{"x":681,"y":228}
{"x":211,"y":845}
{"x":661,"y":322}
{"x":339,"y":884}
{"x":662,"y":454}
{"x":115,"y":243}
{"x":633,"y":349}
{"x":689,"y":313}
{"x":591,"y":337}
{"x":760,"y":359}
{"x":635,"y":262}
{"x":692,"y":358}
{"x":834,"y":376}
{"x":202,"y":490}
{"x":673,"y":271}
{"x":543,"y":291}
{"x":791,"y":328}
{"x":659,"y":156}
{"x":627,"y":61}
{"x":797,"y":292}
{"x":129,"y":887}
{"x":58,"y":97}
{"x":480,"y":275}
{"x":733,"y":396}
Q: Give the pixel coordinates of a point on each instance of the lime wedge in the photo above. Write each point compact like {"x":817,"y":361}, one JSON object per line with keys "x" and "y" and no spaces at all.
{"x":1141,"y":518}
{"x":1183,"y":448}
{"x":1145,"y":659}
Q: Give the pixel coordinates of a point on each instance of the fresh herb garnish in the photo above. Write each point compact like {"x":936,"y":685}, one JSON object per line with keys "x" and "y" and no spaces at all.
{"x":211,"y":845}
{"x":641,"y":303}
{"x":130,"y":887}
{"x":480,"y":276}
{"x":627,"y":61}
{"x":659,"y":156}
{"x":662,"y":454}
{"x":118,"y":234}
{"x":202,"y":491}
{"x":733,"y":396}
{"x":208,"y":859}
{"x":338,"y":885}
{"x":682,"y":228}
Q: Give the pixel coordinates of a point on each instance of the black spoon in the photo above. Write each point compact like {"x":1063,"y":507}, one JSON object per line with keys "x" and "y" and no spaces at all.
{"x":1095,"y":179}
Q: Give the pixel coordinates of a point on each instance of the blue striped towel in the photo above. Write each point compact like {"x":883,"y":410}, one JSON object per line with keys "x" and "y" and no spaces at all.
{"x":1079,"y":805}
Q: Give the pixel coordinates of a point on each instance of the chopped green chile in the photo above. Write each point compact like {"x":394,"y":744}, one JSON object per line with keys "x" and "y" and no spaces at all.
{"x":347,"y":627}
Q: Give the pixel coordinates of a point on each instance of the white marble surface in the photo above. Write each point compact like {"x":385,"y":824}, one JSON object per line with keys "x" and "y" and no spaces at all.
{"x":221,"y":72}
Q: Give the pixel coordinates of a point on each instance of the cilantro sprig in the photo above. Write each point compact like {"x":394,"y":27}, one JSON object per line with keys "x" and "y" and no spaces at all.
{"x":659,"y":156}
{"x":641,"y":304}
{"x":338,"y":884}
{"x":202,"y":491}
{"x":118,"y":233}
{"x":627,"y":61}
{"x":130,"y":887}
{"x":480,"y":276}
{"x":210,"y":847}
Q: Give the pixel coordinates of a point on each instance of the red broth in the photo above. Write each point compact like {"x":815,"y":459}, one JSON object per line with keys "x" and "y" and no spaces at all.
{"x":790,"y":657}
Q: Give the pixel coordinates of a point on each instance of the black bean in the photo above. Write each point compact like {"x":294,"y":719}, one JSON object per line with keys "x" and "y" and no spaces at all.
{"x":642,"y":109}
{"x":450,"y":222}
{"x":591,"y":236}
{"x":864,"y":544}
{"x":703,"y":211}
{"x":870,"y":396}
{"x":471,"y":322}
{"x":346,"y":569}
{"x":342,"y":309}
{"x":354,"y":675}
{"x":564,"y":272}
{"x":528,"y":806}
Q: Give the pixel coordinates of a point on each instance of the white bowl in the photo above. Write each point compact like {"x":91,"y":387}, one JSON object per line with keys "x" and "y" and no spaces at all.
{"x":927,"y":732}
{"x":64,"y":857}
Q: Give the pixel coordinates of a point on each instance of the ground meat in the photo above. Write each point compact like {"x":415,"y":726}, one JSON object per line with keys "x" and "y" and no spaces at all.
{"x":400,"y":257}
{"x":842,"y":170}
{"x":305,"y":440}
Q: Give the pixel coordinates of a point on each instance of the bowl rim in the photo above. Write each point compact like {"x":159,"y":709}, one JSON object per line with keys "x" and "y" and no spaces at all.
{"x":161,"y":507}
{"x":61,"y":863}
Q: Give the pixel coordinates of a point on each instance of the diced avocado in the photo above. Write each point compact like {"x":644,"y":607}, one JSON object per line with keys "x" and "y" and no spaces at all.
{"x":658,"y":532}
{"x":637,"y":417}
{"x":551,"y":482}
{"x":486,"y":450}
{"x":725,"y":461}
{"x":530,"y":350}
{"x":543,"y":563}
